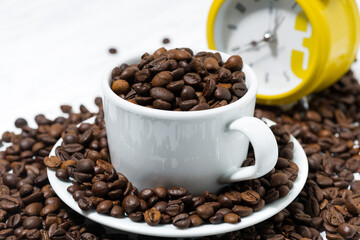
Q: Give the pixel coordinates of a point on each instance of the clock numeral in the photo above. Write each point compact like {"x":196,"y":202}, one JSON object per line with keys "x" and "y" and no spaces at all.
{"x":240,"y":7}
{"x":232,"y":26}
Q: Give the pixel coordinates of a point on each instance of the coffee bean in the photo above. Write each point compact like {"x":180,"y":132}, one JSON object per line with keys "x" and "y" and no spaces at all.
{"x":136,"y":216}
{"x":130,"y":203}
{"x":231,"y":218}
{"x":9,"y":203}
{"x":100,"y":189}
{"x":73,"y":147}
{"x":278,"y":179}
{"x":62,"y":174}
{"x":211,"y":64}
{"x":174,"y":208}
{"x":188,"y":93}
{"x":120,"y":86}
{"x":52,"y":162}
{"x":20,"y":123}
{"x":234,"y":63}
{"x":192,"y":79}
{"x":177,"y":192}
{"x":250,"y":197}
{"x":200,"y":106}
{"x":146,"y":193}
{"x":205,"y":211}
{"x":161,"y":104}
{"x":104,"y":207}
{"x":152,"y":217}
{"x":51,"y":208}
{"x":239,"y":89}
{"x":162,"y":79}
{"x":188,"y":104}
{"x":182,"y":221}
{"x":234,"y":196}
{"x":85,"y":166}
{"x":242,"y":211}
{"x":225,"y":201}
{"x":216,"y":219}
{"x":161,"y":93}
{"x":10,"y":180}
{"x":222,"y":94}
{"x":32,"y":222}
{"x":346,"y":230}
{"x":85,"y":203}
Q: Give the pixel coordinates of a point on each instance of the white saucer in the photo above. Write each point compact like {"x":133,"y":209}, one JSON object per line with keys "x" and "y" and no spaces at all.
{"x":169,"y":230}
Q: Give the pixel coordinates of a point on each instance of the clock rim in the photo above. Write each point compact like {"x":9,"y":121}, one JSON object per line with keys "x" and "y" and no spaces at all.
{"x":321,"y":35}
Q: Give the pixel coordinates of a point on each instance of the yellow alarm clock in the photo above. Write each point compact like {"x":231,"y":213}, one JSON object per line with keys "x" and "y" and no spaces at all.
{"x":295,"y":47}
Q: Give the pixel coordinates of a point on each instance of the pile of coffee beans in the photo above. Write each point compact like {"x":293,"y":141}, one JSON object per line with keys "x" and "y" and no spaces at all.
{"x":328,"y":131}
{"x":83,"y":159}
{"x":178,"y":80}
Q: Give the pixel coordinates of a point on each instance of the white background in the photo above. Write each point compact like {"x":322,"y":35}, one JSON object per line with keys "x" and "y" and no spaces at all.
{"x":56,"y":52}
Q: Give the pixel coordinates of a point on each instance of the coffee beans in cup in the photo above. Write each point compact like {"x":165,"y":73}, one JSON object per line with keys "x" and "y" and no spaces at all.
{"x":178,"y":80}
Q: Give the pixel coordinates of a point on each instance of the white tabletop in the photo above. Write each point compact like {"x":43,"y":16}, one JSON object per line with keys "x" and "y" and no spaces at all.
{"x":55,"y":52}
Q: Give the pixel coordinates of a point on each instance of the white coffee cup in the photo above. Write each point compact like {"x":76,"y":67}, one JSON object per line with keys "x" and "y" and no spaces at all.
{"x":198,"y":150}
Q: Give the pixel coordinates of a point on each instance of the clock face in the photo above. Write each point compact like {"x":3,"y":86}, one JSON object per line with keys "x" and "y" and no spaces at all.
{"x":272,"y":36}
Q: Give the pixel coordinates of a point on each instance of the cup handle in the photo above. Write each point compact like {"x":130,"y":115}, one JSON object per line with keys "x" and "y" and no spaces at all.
{"x":265,"y":149}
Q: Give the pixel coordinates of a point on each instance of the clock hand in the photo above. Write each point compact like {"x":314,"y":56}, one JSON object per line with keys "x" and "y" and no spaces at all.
{"x":271,"y":7}
{"x":279,"y":19}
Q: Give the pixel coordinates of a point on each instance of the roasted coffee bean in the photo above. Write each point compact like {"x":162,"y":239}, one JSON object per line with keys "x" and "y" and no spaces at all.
{"x":104,"y":207}
{"x":9,"y":203}
{"x":242,"y":211}
{"x":225,"y":201}
{"x":100,"y":189}
{"x":52,"y":162}
{"x":161,"y":104}
{"x":346,"y":230}
{"x":188,"y":104}
{"x":130,"y":203}
{"x":146,"y":193}
{"x":196,"y":220}
{"x":234,"y":63}
{"x":250,"y":197}
{"x":222,"y":94}
{"x":20,"y":123}
{"x":32,"y":222}
{"x":10,"y":180}
{"x":231,"y":218}
{"x":117,"y":211}
{"x":85,"y":203}
{"x":62,"y":174}
{"x":278,"y":179}
{"x":216,"y":219}
{"x":174,"y":207}
{"x":177,"y":192}
{"x":162,"y":79}
{"x":192,"y":79}
{"x":205,"y":211}
{"x":152,"y":217}
{"x":161,"y":93}
{"x":211,"y":64}
{"x":136,"y":216}
{"x":182,"y":221}
{"x":51,"y":208}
